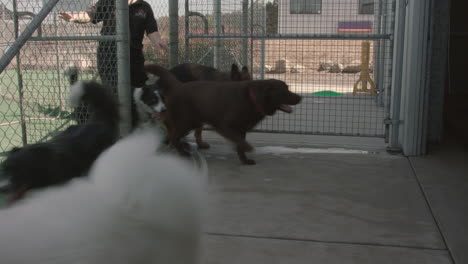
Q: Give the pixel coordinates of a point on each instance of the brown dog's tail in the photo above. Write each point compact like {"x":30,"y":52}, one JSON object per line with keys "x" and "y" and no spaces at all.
{"x":166,"y":79}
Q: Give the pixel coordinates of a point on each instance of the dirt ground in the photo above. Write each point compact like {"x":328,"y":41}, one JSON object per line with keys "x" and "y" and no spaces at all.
{"x":309,"y":53}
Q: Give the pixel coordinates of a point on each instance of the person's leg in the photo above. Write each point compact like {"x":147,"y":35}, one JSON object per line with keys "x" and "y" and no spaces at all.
{"x":138,"y":75}
{"x":138,"y":78}
{"x":107,"y":68}
{"x":107,"y":64}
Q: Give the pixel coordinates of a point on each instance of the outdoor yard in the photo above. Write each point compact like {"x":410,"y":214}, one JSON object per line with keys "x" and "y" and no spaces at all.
{"x":44,"y":106}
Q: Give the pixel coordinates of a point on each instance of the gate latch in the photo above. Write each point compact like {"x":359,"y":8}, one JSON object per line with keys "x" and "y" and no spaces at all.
{"x":389,"y":121}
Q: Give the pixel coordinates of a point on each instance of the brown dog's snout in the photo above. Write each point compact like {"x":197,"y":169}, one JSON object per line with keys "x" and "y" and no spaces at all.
{"x":295,"y":98}
{"x":299,"y":98}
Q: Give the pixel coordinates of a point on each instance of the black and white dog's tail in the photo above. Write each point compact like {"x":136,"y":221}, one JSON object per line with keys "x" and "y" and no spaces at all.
{"x":98,"y":97}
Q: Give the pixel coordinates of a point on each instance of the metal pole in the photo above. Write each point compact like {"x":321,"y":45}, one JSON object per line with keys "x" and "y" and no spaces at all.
{"x":384,"y":50}
{"x":187,"y":30}
{"x":26,"y":34}
{"x":262,"y":42}
{"x":391,"y":9}
{"x":414,"y":92}
{"x":365,"y":37}
{"x":245,"y":31}
{"x":252,"y":22}
{"x":57,"y":61}
{"x":378,"y":49}
{"x":173,"y":32}
{"x":19,"y":77}
{"x":398,"y":46}
{"x":73,"y":38}
{"x":217,"y":47}
{"x":123,"y":66}
{"x":19,"y":74}
{"x":205,"y":22}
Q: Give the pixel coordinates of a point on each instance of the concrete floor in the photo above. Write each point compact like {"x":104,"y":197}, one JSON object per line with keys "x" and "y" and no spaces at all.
{"x":325,"y":208}
{"x":343,"y":115}
{"x":443,"y":175}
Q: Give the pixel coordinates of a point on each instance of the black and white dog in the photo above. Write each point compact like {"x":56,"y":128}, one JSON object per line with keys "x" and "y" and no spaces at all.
{"x":149,"y":104}
{"x":71,"y":153}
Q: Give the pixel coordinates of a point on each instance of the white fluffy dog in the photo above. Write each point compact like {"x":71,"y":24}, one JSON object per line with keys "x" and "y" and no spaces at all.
{"x":136,"y":207}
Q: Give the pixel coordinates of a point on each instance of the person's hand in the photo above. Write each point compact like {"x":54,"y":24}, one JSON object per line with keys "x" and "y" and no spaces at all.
{"x":157,"y":41}
{"x":65,"y":16}
{"x":163,"y":45}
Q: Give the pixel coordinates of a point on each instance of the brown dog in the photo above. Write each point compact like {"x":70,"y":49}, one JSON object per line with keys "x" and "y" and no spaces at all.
{"x":232,"y":108}
{"x":189,"y":72}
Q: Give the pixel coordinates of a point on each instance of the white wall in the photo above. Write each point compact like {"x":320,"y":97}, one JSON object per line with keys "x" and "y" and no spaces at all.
{"x":324,"y":23}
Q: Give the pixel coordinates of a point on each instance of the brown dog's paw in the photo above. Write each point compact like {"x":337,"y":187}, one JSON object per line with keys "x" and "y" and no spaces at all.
{"x":203,"y":145}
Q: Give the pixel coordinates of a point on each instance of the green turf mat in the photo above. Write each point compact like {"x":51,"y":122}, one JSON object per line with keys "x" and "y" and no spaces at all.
{"x":327,"y":93}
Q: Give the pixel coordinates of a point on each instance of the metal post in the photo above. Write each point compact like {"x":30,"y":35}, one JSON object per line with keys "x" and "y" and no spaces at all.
{"x":379,"y":48}
{"x":19,"y":75}
{"x":252,"y":22}
{"x":398,"y":46}
{"x":382,"y":57}
{"x":416,"y":59}
{"x":262,"y":43}
{"x":26,"y":34}
{"x":57,"y":61}
{"x":123,"y":66}
{"x":173,"y":32}
{"x":217,"y":47}
{"x":245,"y":31}
{"x":187,"y":30}
{"x":366,"y":37}
{"x":391,"y":13}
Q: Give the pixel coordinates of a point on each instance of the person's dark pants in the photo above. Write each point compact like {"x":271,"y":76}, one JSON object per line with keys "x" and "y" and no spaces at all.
{"x":107,"y":64}
{"x":138,"y":78}
{"x":107,"y":69}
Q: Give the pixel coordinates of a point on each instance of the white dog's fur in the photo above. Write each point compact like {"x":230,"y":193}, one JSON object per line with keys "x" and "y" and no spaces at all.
{"x":136,"y":207}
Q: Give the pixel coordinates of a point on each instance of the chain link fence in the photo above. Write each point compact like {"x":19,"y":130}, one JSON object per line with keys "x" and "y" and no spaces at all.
{"x":34,"y":87}
{"x":336,"y":53}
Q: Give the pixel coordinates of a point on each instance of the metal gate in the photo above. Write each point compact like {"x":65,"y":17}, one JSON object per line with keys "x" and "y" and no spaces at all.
{"x":336,"y":53}
{"x":33,"y":85}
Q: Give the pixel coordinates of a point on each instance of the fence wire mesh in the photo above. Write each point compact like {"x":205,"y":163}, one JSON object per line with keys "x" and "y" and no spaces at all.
{"x":316,"y":47}
{"x":34,"y":87}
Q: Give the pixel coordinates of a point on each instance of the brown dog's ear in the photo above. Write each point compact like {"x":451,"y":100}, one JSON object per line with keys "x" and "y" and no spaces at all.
{"x":235,"y":73}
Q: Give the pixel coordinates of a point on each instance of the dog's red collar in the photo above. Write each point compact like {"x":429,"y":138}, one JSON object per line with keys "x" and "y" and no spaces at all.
{"x":253,"y":98}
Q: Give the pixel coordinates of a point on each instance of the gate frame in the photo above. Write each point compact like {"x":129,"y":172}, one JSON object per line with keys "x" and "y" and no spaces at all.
{"x":385,"y":32}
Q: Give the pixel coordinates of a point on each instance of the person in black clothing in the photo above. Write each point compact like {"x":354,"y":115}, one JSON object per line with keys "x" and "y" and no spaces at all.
{"x":141,"y":20}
